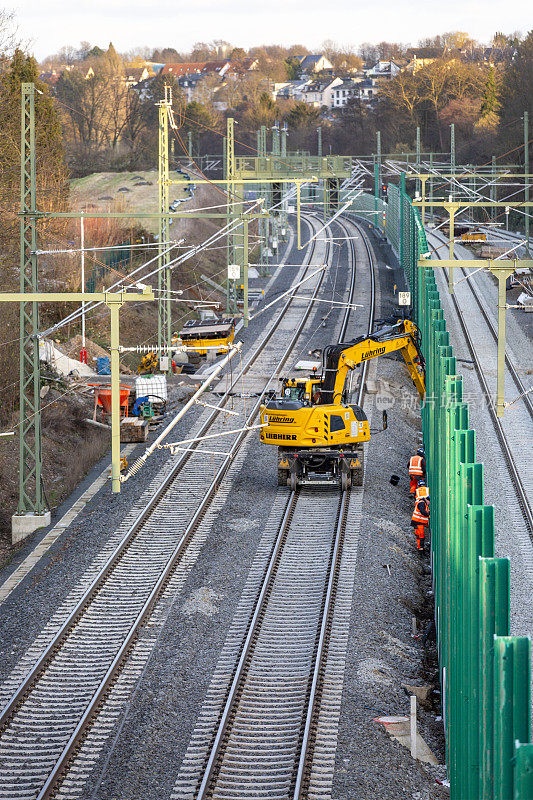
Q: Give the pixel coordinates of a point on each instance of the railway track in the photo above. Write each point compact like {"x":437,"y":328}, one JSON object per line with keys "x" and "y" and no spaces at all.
{"x":50,"y":710}
{"x":510,"y":431}
{"x":262,"y":736}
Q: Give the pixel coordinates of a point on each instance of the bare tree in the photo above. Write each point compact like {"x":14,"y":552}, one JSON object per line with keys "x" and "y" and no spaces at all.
{"x":9,"y":34}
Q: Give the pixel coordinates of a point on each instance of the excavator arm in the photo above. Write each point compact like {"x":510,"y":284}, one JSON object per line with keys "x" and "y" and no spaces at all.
{"x":340,"y":359}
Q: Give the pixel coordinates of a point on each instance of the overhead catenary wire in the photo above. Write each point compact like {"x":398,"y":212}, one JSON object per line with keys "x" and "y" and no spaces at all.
{"x":138,"y":464}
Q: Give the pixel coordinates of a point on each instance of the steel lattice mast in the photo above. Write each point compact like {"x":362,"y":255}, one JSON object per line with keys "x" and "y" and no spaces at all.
{"x":30,"y":477}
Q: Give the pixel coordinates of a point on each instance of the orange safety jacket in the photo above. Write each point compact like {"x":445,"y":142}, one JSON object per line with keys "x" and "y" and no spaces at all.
{"x":415,"y":466}
{"x":421,"y":513}
{"x":421,"y":492}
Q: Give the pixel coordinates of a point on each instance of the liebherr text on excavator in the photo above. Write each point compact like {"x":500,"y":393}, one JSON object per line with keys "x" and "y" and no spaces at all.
{"x":318,"y":432}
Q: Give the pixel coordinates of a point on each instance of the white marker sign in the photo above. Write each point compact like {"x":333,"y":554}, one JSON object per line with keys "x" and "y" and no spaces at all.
{"x":404,"y":298}
{"x":234,"y":272}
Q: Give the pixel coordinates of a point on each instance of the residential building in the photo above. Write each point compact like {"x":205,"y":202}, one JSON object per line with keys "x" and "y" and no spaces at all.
{"x":314,"y":63}
{"x":383,"y":70}
{"x":289,"y":90}
{"x":367,"y":90}
{"x":136,"y":75}
{"x":184,"y":68}
{"x":344,"y":92}
{"x":320,"y":93}
{"x":189,"y":83}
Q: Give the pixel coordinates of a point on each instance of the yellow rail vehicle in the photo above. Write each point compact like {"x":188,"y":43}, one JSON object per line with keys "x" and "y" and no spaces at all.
{"x":208,"y":334}
{"x":319,"y":434}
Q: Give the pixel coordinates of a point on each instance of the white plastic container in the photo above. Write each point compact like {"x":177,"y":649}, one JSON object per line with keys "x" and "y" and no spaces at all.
{"x":152,"y":386}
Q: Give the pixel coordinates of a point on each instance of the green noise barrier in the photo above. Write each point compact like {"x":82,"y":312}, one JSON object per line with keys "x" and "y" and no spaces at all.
{"x":485,"y":673}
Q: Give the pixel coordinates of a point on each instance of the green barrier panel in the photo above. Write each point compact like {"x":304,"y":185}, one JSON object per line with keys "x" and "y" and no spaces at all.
{"x":485,"y":673}
{"x":523,"y":771}
{"x":494,"y":583}
{"x":512,"y":697}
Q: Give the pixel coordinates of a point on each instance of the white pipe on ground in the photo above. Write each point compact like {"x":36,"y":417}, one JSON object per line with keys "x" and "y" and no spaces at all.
{"x":136,"y":466}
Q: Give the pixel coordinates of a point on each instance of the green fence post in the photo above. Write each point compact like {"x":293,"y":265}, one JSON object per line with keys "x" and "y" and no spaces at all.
{"x":494,"y":579}
{"x":512,"y":709}
{"x":481,"y":544}
{"x":523,"y":771}
{"x":401,"y":220}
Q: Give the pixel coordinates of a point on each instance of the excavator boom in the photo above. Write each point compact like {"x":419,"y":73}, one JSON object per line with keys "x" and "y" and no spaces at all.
{"x":339,"y":359}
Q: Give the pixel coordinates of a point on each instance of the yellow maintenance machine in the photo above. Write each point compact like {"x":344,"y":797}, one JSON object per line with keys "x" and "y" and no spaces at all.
{"x":208,"y":334}
{"x":319,"y":434}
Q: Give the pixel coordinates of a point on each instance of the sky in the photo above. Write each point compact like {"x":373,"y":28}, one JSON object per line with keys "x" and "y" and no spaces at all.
{"x":51,"y":24}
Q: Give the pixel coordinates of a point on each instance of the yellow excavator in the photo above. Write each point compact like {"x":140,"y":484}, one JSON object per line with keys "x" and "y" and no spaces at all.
{"x":319,"y":434}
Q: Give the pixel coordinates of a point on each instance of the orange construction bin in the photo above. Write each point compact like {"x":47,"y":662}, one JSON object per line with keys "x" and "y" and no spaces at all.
{"x":102,"y":397}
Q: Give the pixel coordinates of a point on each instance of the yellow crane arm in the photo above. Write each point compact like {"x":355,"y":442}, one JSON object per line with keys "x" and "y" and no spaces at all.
{"x":375,"y":346}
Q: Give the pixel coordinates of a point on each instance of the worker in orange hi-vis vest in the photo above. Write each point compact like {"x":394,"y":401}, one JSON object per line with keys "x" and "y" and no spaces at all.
{"x":421,"y":491}
{"x":420,"y":521}
{"x":417,"y":469}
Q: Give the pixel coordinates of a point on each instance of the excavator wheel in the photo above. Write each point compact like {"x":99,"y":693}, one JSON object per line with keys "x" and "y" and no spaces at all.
{"x":283,"y":477}
{"x":346,"y":480}
{"x":293,"y":481}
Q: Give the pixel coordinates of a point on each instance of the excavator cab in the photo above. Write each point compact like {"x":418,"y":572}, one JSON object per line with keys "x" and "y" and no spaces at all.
{"x":318,"y":432}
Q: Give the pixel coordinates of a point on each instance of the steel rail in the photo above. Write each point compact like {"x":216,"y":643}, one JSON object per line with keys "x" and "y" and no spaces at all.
{"x":322,"y":644}
{"x":261,"y":602}
{"x":25,"y":687}
{"x":510,"y":365}
{"x":114,"y":667}
{"x":523,"y":500}
{"x":111,"y":673}
{"x":330,"y":593}
{"x":8,"y":709}
{"x":253,"y":626}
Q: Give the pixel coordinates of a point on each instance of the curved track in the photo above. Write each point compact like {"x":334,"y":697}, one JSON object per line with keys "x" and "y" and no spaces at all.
{"x":50,"y":710}
{"x":509,"y":431}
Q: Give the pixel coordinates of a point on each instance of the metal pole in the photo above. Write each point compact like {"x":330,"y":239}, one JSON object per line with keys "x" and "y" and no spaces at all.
{"x":275,"y":140}
{"x":114,"y":308}
{"x":402,"y":194}
{"x":423,"y":184}
{"x":82,"y":245}
{"x":376,"y":193}
{"x":493,"y":190}
{"x":189,"y":136}
{"x":230,"y":188}
{"x":431,"y":184}
{"x":526,"y":176}
{"x":245,"y":272}
{"x":452,"y":158}
{"x":30,"y":452}
{"x":164,"y":274}
{"x":298,"y":217}
{"x":417,"y":183}
{"x":451,"y":234}
{"x":502,"y":275}
{"x":319,"y":142}
{"x":284,"y":140}
{"x":378,"y":154}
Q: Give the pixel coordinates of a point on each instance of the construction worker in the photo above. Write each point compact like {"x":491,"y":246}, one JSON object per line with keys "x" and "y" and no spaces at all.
{"x":421,"y":491}
{"x":417,"y":469}
{"x":420,"y":521}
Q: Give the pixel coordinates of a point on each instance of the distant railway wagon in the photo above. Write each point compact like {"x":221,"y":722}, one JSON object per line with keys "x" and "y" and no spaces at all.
{"x":474,"y":236}
{"x":207,"y":334}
